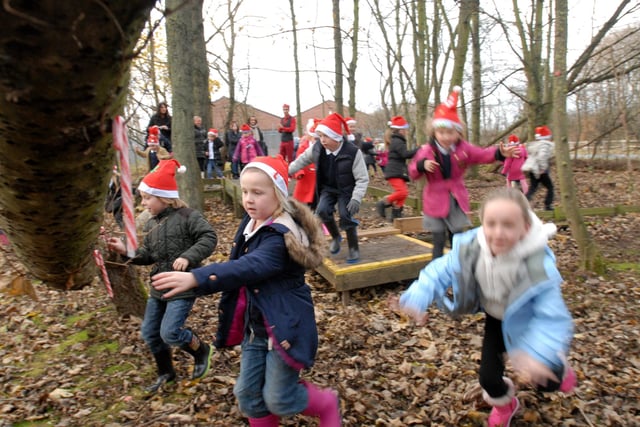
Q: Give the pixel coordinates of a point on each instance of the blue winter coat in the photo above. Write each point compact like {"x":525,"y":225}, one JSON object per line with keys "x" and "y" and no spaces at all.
{"x":536,"y":319}
{"x":267,"y":271}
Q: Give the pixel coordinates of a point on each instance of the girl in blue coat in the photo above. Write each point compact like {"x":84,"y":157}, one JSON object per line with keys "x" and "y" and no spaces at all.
{"x":506,"y":269}
{"x":265,"y":302}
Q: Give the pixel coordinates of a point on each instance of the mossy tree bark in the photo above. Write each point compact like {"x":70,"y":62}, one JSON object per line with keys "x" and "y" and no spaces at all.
{"x":65,"y":69}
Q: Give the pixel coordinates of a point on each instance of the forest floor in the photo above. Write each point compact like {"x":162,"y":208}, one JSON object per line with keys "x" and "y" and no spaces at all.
{"x":69,"y":359}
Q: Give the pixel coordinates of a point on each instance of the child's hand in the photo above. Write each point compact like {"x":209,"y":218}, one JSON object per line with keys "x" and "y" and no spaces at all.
{"x":116,"y":245}
{"x":420,"y":317}
{"x":509,"y":150}
{"x":176,"y":282}
{"x":531,"y":370}
{"x":431,"y":165}
{"x":180,"y":264}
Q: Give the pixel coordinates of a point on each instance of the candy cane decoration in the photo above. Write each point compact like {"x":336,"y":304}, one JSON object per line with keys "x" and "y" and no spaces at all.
{"x":121,"y":143}
{"x":97,"y":256}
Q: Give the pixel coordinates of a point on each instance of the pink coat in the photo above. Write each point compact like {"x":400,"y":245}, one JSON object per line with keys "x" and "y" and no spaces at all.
{"x":247,"y":150}
{"x":513,"y":165}
{"x":435,"y":196}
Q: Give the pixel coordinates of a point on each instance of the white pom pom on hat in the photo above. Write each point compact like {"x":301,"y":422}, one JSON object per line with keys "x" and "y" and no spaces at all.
{"x":161,"y":181}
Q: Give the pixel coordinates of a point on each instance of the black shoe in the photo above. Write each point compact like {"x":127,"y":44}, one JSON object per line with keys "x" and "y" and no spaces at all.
{"x":160,"y":382}
{"x":381,"y":208}
{"x":354,"y":250}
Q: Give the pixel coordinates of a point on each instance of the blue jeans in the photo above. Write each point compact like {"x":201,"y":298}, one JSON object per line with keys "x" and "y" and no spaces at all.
{"x":235,"y":168}
{"x":212,"y":166}
{"x":163,"y":323}
{"x":267,"y":385}
{"x":326,"y":208}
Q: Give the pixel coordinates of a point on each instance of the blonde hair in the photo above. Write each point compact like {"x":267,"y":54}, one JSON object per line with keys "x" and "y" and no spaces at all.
{"x":173,"y":203}
{"x":511,"y":194}
{"x":283,"y":201}
{"x":431,"y":130}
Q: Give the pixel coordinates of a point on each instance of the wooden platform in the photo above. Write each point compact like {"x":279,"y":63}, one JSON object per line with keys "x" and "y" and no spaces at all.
{"x":383,"y":259}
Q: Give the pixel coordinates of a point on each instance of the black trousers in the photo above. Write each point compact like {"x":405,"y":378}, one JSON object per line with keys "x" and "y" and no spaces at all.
{"x":492,"y":363}
{"x":545,"y":180}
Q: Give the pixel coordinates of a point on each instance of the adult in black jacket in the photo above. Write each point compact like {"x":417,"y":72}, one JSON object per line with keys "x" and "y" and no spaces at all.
{"x":199,"y":136}
{"x":162,"y":119}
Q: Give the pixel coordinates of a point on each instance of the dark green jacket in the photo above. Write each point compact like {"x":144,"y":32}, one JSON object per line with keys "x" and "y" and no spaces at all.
{"x":172,"y":234}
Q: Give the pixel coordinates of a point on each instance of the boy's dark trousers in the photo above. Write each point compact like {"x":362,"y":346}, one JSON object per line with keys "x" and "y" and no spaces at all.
{"x":325,"y":210}
{"x":545,"y":180}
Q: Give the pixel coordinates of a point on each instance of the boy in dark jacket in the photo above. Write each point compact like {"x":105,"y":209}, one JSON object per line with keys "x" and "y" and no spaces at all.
{"x":177,"y":239}
{"x":342,"y":179}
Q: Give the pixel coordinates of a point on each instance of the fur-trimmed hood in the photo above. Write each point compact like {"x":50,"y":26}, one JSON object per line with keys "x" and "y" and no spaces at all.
{"x":305,"y":241}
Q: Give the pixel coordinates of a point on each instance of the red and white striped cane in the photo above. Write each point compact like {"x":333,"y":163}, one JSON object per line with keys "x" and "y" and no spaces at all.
{"x":121,"y":143}
{"x":97,"y":256}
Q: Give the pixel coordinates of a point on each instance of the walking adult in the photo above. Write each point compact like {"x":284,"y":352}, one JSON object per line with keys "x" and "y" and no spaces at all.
{"x":257,"y":134}
{"x":162,"y":119}
{"x":231,"y":138}
{"x":286,"y":129}
{"x":199,"y":136}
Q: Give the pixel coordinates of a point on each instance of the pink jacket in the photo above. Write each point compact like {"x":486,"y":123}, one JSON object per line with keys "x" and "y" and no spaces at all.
{"x":435,"y":196}
{"x":247,"y":150}
{"x":513,"y":165}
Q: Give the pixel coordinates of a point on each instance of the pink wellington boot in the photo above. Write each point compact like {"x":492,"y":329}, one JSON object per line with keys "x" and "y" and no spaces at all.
{"x":569,"y":381}
{"x":324,"y":404}
{"x":504,"y":408}
{"x":268,"y":421}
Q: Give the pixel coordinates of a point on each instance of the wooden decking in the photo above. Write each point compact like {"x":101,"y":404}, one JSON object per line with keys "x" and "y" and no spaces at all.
{"x":384,"y":258}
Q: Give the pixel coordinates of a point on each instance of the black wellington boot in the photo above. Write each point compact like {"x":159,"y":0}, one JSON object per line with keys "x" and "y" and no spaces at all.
{"x":201,"y":352}
{"x":166,"y":374}
{"x":381,"y":208}
{"x":439,"y":240}
{"x":334,"y":247}
{"x":396,"y":213}
{"x":354,"y":251}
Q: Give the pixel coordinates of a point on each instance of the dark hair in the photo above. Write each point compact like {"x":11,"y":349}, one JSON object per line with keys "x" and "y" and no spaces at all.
{"x":160,"y":104}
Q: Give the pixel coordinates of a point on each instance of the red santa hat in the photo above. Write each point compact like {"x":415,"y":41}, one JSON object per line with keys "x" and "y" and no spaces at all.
{"x":285,"y":106}
{"x":154,"y":130}
{"x":334,"y":126}
{"x":446,"y":114}
{"x":398,"y":122}
{"x":543,"y":133}
{"x":153,"y":140}
{"x":514,"y":140}
{"x":275,"y":168}
{"x":245,"y":128}
{"x":161,"y":181}
{"x":350,"y":121}
{"x":212,"y":131}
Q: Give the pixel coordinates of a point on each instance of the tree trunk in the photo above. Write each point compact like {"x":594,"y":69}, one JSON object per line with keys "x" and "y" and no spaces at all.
{"x":201,"y":95}
{"x":337,"y":45}
{"x":296,"y":63}
{"x":589,"y":253}
{"x":65,"y":70}
{"x":351,"y":70}
{"x":476,"y":103}
{"x":180,"y":52}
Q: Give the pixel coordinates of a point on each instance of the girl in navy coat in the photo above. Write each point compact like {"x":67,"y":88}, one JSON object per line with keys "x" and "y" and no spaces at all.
{"x":505,"y":269}
{"x":265,"y":302}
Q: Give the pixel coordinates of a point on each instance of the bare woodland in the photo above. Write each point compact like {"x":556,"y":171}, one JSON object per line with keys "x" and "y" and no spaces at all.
{"x":69,"y":68}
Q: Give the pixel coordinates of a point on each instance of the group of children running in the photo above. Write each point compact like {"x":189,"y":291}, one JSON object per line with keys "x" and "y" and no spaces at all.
{"x":504,"y":268}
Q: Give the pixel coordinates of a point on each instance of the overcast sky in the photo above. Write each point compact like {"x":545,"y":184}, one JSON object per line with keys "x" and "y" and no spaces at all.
{"x":264,"y":50}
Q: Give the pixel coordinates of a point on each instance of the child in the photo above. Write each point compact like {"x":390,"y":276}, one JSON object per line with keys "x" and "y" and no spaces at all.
{"x":513,"y":166}
{"x":537,"y":165}
{"x":265,"y":302}
{"x":382,"y":155}
{"x":305,"y":189}
{"x":396,"y":174}
{"x":153,"y":152}
{"x":177,"y":238}
{"x":247,"y":148}
{"x":506,"y":269}
{"x":443,"y":161}
{"x":212,"y":153}
{"x":342,"y":179}
{"x":369,"y":155}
